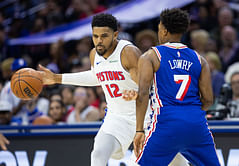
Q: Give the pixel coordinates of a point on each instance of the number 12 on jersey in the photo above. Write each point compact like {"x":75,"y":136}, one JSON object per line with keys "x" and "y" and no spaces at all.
{"x":185,"y":81}
{"x":113,"y":90}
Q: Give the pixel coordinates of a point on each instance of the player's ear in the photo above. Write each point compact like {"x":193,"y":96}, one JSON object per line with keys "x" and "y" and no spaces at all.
{"x":116,"y":34}
{"x":165,"y":32}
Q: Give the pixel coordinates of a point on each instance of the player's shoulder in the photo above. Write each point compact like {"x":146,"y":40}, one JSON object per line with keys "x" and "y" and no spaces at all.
{"x":131,"y":50}
{"x":130,"y":54}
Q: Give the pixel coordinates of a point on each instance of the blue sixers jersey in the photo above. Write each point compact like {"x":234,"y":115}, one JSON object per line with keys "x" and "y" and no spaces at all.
{"x":176,"y":90}
{"x":176,"y":80}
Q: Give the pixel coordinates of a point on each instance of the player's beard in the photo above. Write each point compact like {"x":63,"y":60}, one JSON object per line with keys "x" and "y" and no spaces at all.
{"x":103,"y":50}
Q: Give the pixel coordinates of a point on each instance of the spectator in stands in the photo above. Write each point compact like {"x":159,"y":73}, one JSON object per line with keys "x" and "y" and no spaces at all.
{"x":57,"y":57}
{"x":55,"y":95}
{"x":54,"y":14}
{"x":83,"y":47}
{"x":6,"y":69}
{"x":80,"y":60}
{"x":216,"y":75}
{"x":229,"y":48}
{"x":224,"y":17}
{"x":194,"y":25}
{"x":234,"y":103}
{"x":55,"y":114}
{"x":67,"y":95}
{"x":199,"y":41}
{"x":91,"y":7}
{"x":74,"y":10}
{"x":100,"y":93}
{"x":57,"y":111}
{"x":203,"y":12}
{"x":145,"y":39}
{"x":93,"y":98}
{"x":103,"y":107}
{"x":1,"y":18}
{"x":122,"y":35}
{"x":82,"y":112}
{"x":1,"y":86}
{"x":30,"y":111}
{"x":16,"y":28}
{"x":24,"y":112}
{"x":5,"y":112}
{"x":231,"y":69}
{"x":9,"y":66}
{"x":211,"y":45}
{"x":39,"y":25}
{"x":3,"y":43}
{"x":85,"y":63}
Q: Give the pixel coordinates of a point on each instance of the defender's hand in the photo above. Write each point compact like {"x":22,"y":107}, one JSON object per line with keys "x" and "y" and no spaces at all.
{"x":138,"y":143}
{"x":129,"y":95}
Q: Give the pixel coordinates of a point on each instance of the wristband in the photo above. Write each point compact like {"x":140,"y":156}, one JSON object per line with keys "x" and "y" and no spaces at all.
{"x":140,"y":131}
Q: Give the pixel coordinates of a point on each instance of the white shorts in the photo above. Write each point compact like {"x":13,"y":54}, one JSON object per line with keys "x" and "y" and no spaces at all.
{"x":122,"y":129}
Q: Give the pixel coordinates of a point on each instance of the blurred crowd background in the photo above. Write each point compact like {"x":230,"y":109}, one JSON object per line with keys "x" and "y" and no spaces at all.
{"x":213,"y":33}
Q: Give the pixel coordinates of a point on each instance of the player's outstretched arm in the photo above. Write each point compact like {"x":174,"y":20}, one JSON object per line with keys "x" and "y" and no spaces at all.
{"x":205,"y":85}
{"x":3,"y":142}
{"x":85,"y":78}
{"x":49,"y":77}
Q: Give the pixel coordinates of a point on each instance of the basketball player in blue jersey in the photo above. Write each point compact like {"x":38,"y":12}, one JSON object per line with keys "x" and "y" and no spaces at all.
{"x":182,"y":94}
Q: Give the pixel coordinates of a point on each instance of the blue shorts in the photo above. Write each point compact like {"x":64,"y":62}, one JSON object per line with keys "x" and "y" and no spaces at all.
{"x":179,"y":130}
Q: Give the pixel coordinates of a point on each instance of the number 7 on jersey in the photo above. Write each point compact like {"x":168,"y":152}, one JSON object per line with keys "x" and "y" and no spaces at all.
{"x":185,"y":81}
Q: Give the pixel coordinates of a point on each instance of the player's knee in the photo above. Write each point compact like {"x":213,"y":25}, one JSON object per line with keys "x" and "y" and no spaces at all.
{"x":97,"y":153}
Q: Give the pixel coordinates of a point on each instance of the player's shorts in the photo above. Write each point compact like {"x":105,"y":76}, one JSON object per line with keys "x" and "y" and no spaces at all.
{"x":183,"y":130}
{"x":122,"y":129}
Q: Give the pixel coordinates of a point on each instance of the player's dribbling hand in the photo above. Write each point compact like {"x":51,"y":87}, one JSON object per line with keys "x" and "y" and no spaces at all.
{"x":129,"y":95}
{"x":47,"y":75}
{"x":138,"y":143}
{"x":3,"y":142}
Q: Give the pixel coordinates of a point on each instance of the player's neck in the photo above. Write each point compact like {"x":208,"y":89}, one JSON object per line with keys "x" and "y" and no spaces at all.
{"x":111,"y":50}
{"x":174,"y":38}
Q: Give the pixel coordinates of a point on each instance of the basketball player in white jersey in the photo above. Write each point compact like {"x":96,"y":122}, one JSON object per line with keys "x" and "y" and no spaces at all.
{"x":114,"y":67}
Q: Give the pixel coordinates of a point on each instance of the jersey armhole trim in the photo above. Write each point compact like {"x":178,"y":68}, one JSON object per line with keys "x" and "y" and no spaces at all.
{"x":157,"y":52}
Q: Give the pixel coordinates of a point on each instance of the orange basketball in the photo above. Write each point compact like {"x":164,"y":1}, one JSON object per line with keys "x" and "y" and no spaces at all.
{"x":26,"y":83}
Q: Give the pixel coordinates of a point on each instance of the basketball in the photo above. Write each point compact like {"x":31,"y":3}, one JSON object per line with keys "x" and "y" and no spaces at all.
{"x":26,"y":83}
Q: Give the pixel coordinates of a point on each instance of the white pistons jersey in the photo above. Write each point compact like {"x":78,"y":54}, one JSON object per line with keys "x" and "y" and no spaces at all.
{"x":114,"y":79}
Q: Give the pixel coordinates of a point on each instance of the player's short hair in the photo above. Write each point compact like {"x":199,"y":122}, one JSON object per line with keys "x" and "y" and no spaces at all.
{"x":175,"y":20}
{"x":105,"y":20}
